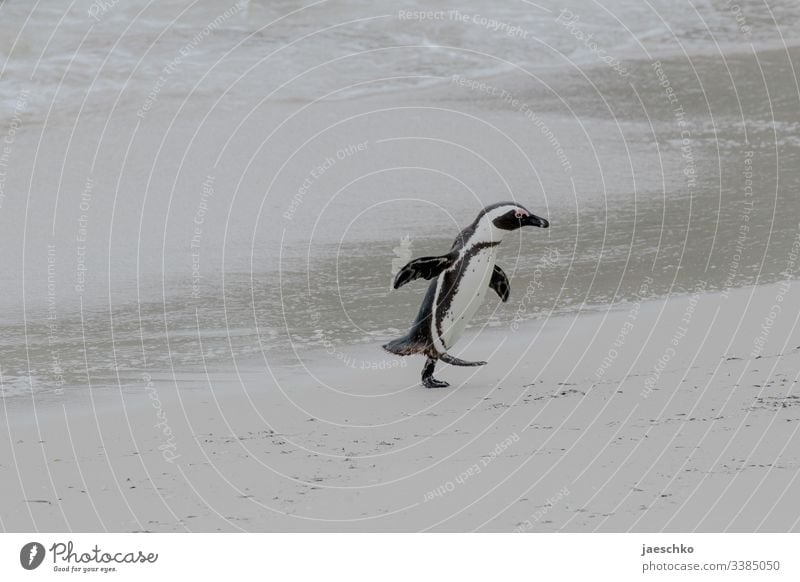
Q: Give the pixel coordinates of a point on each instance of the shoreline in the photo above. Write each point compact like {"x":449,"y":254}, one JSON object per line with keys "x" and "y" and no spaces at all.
{"x":509,"y":447}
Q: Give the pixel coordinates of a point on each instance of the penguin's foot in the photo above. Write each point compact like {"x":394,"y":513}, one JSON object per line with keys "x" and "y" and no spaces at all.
{"x":431,"y":382}
{"x":453,"y":361}
{"x":427,"y":375}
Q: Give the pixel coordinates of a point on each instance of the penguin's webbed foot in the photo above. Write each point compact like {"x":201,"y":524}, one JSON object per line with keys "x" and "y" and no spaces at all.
{"x":431,"y":382}
{"x":427,"y":375}
{"x":453,"y":361}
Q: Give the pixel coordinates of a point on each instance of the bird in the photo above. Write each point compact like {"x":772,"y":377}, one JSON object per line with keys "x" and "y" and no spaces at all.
{"x":459,"y":280}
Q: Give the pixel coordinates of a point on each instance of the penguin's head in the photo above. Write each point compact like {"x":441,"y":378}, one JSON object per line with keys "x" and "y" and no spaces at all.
{"x":507,"y":216}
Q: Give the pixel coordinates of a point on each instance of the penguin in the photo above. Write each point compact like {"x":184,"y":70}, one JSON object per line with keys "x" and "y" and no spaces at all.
{"x":459,"y":281}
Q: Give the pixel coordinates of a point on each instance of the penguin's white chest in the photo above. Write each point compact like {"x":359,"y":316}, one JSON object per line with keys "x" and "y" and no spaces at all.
{"x":455,"y":312}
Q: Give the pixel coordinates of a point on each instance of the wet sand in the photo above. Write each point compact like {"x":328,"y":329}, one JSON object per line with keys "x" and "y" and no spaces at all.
{"x":673,"y":415}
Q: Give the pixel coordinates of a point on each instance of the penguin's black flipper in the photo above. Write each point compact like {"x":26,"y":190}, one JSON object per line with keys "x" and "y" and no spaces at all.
{"x":500,"y":283}
{"x":426,"y":268}
{"x":453,"y":361}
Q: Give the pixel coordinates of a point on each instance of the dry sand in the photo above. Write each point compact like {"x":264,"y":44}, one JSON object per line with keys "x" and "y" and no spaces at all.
{"x":545,"y":438}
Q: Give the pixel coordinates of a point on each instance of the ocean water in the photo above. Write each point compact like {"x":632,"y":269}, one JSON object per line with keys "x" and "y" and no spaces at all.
{"x":110,"y":49}
{"x":189,"y":186}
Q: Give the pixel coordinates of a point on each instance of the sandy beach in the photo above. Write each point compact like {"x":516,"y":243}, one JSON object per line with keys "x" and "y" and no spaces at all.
{"x":202,"y":208}
{"x":659,"y":415}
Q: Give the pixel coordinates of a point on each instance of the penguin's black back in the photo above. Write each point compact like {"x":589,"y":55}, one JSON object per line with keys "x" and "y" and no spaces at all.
{"x":418,"y":340}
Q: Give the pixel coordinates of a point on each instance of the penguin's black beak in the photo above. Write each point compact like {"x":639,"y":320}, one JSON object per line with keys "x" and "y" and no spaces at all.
{"x":533,"y":220}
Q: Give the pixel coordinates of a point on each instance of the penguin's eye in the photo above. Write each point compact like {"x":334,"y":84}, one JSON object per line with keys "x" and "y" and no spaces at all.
{"x":520,"y":213}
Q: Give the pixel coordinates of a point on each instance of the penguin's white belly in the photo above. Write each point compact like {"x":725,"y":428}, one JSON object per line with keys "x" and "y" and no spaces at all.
{"x":467,"y":297}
